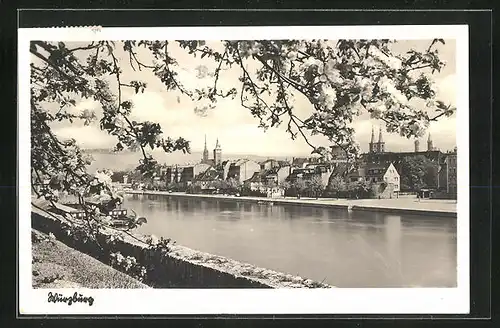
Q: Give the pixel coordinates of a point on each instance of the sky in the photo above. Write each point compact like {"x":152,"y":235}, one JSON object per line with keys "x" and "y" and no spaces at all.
{"x":234,"y":126}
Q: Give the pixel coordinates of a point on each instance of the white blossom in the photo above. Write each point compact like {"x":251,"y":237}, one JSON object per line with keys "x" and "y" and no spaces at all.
{"x":103,"y":177}
{"x":152,"y":240}
{"x":328,"y":96}
{"x":310,"y":62}
{"x":395,"y":93}
{"x":369,"y":62}
{"x":119,"y":257}
{"x":292,"y":55}
{"x":376,"y":113}
{"x":390,"y":61}
{"x":119,"y":122}
{"x":331,"y":72}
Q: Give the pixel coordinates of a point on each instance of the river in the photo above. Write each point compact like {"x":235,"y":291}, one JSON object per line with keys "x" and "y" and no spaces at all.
{"x":355,"y":249}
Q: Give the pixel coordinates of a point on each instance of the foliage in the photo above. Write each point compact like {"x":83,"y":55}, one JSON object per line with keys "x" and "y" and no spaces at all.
{"x":360,"y":189}
{"x":232,"y":185}
{"x":285,"y":185}
{"x":176,"y":186}
{"x":128,"y":265}
{"x":194,"y":188}
{"x":118,"y":176}
{"x":418,"y":172}
{"x":315,"y":186}
{"x":337,"y":183}
{"x":297,"y":187}
{"x":247,"y":191}
{"x":163,"y":245}
{"x":339,"y":79}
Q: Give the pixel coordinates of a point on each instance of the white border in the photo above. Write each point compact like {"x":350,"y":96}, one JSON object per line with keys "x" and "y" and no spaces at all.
{"x":260,"y":301}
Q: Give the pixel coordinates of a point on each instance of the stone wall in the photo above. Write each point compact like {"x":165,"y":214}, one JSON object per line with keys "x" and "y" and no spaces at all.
{"x":182,"y":267}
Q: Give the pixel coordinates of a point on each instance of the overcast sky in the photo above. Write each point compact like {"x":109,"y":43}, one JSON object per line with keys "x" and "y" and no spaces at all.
{"x":236,"y":128}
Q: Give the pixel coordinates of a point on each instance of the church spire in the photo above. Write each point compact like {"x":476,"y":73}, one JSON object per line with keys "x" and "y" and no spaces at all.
{"x":429,"y":143}
{"x":373,"y":135}
{"x":205,"y":151}
{"x":380,"y":135}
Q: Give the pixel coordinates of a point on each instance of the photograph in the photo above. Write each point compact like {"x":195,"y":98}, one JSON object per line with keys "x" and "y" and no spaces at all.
{"x":296,"y":162}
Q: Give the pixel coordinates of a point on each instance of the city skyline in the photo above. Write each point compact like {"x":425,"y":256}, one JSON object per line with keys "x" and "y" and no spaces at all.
{"x":365,"y":148}
{"x":235,"y":126}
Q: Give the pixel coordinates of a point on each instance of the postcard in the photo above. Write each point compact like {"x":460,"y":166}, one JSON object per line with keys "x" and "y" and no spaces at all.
{"x":244,"y":170}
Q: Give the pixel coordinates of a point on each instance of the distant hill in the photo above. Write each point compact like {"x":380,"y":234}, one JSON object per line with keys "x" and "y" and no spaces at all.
{"x":127,"y":160}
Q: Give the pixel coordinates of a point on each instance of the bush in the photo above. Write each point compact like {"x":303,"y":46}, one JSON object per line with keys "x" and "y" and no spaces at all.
{"x":194,"y":189}
{"x":246,"y":191}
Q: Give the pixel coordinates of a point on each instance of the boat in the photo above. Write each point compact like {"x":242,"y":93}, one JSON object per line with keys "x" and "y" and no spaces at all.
{"x":120,"y":218}
{"x":127,"y":221}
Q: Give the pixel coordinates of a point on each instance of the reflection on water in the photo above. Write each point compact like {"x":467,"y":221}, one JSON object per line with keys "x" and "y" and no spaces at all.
{"x":357,"y":249}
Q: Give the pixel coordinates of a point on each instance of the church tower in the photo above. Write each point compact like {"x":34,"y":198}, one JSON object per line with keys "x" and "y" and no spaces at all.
{"x":205,"y":152}
{"x":429,"y":143}
{"x":372,"y":146}
{"x":381,"y":143}
{"x":217,"y":153}
{"x":417,"y":145}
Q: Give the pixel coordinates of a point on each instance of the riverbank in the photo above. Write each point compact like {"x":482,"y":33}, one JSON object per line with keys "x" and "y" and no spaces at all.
{"x":404,"y":205}
{"x":182,"y":267}
{"x":56,"y":265}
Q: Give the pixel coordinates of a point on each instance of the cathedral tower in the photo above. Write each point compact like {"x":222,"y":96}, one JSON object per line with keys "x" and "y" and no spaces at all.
{"x":429,"y":143}
{"x":417,"y":145}
{"x":217,"y":153}
{"x":372,"y":143}
{"x":381,"y":143}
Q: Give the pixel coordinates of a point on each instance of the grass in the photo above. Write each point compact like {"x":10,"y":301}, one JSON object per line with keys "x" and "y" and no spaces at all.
{"x":56,"y":265}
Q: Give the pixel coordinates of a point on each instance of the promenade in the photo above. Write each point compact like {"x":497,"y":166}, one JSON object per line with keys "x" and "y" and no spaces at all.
{"x":407,"y":205}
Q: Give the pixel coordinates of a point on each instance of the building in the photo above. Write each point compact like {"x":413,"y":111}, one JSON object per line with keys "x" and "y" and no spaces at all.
{"x":310,"y":171}
{"x":417,"y":145}
{"x":272,"y":177}
{"x":242,"y":170}
{"x":272,"y":163}
{"x":208,"y":178}
{"x":182,"y":173}
{"x":377,"y":175}
{"x":302,"y":162}
{"x":217,"y":153}
{"x":451,"y":172}
{"x":339,"y":154}
{"x":171,"y":174}
{"x":190,"y":172}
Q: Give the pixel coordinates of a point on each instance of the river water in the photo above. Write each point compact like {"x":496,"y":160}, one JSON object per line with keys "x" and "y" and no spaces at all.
{"x":357,"y":249}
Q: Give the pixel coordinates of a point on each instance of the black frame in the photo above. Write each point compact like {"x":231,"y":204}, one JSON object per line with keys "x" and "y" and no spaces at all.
{"x":480,"y":125}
